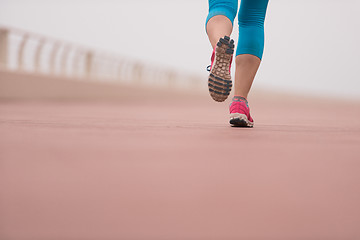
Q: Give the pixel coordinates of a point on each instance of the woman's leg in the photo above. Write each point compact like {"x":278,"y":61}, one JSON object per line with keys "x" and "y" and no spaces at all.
{"x":218,"y":27}
{"x":246,"y":68}
{"x":250,"y":45}
{"x":219,"y":22}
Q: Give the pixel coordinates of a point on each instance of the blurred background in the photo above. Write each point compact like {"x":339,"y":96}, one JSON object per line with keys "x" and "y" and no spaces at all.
{"x":312,"y":47}
{"x":163,"y":163}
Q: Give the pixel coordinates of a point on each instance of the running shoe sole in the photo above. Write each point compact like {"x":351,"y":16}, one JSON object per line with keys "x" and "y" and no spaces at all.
{"x":240,"y":120}
{"x":219,"y":81}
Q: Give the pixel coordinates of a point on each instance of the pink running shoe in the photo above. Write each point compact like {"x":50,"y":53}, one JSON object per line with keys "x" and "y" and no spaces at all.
{"x":220,"y":79}
{"x":240,"y":113}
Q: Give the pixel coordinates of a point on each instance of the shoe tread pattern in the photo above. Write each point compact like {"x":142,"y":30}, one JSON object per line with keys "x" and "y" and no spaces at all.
{"x":219,"y":81}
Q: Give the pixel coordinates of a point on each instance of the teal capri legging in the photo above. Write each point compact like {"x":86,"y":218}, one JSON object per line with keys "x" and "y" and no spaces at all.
{"x":251,"y":18}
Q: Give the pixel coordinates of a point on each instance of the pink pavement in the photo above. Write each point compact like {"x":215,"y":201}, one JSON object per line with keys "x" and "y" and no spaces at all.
{"x":175,"y":169}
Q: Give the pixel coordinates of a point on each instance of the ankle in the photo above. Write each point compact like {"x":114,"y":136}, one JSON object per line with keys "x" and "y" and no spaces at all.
{"x":236,"y":95}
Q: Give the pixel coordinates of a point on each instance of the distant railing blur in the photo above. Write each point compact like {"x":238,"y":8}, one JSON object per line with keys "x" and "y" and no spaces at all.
{"x":34,"y":53}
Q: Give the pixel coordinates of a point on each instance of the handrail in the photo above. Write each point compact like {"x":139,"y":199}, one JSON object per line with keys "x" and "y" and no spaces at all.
{"x":70,"y":60}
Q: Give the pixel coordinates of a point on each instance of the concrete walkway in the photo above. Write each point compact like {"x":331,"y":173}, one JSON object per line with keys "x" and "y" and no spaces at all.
{"x":174,"y":169}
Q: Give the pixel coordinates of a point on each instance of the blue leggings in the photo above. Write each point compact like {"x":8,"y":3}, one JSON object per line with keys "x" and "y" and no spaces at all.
{"x":251,"y":22}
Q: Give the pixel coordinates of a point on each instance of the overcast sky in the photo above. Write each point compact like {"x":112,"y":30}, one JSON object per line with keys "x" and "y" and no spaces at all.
{"x":311,"y":46}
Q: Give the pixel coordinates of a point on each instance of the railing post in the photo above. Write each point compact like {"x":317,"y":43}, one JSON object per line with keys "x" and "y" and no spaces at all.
{"x":137,"y":72}
{"x":4,"y":39}
{"x":21,"y":52}
{"x":76,"y":63}
{"x":64,"y":61}
{"x":53,"y":55}
{"x":171,"y":79}
{"x":120,"y":69}
{"x":38,"y":55}
{"x":89,"y":57}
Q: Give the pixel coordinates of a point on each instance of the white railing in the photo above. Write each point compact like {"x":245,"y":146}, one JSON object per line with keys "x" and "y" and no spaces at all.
{"x":34,"y":53}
